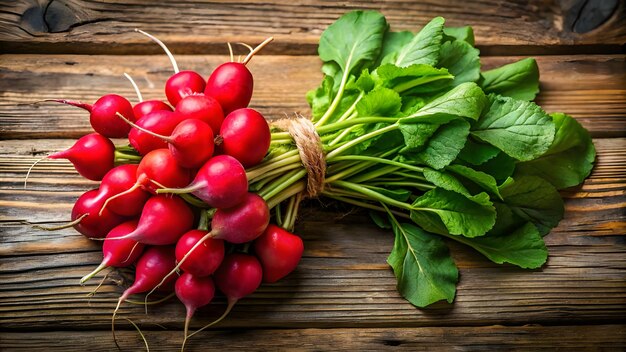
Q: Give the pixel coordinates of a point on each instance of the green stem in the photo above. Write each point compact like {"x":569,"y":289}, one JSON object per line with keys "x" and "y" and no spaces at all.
{"x":351,"y":109}
{"x":290,"y":191}
{"x":194,"y":201}
{"x":419,"y":81}
{"x":123,"y":156}
{"x":252,"y":174}
{"x":373,"y":194}
{"x":338,"y":97}
{"x":203,"y":224}
{"x":341,"y":136}
{"x":418,"y":185}
{"x":380,"y":161}
{"x":281,"y":141}
{"x":363,"y":204}
{"x":279,"y":216}
{"x":355,"y":121}
{"x":356,"y":141}
{"x":381,"y":171}
{"x":289,"y":214}
{"x":340,"y":173}
{"x":410,"y":176}
{"x":282,"y":183}
{"x":277,"y":171}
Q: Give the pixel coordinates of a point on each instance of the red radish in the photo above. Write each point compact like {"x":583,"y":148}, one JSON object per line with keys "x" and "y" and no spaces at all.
{"x":240,"y":224}
{"x":231,"y":83}
{"x":202,"y":107}
{"x":92,"y":155}
{"x":151,"y":267}
{"x":147,"y":106}
{"x":161,"y":122}
{"x":119,"y":180}
{"x":103,"y":114}
{"x":238,"y":276}
{"x":205,"y":259}
{"x":119,"y":253}
{"x":163,"y":221}
{"x":191,"y":142}
{"x":243,"y":222}
{"x":245,"y":136}
{"x":182,"y":83}
{"x":143,"y":108}
{"x":221,"y":182}
{"x":279,"y":252}
{"x":194,"y":292}
{"x":157,"y":169}
{"x":90,"y":219}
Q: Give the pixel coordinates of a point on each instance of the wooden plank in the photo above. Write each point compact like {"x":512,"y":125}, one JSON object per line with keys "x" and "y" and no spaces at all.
{"x":591,"y":88}
{"x":535,"y":338}
{"x":55,"y":182}
{"x":343,"y":279}
{"x":501,"y":27}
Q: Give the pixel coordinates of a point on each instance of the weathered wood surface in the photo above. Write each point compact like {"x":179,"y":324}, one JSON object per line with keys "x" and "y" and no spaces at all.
{"x":342,"y":281}
{"x":83,"y":26}
{"x":590,"y":88}
{"x":342,"y":296}
{"x":498,"y":338}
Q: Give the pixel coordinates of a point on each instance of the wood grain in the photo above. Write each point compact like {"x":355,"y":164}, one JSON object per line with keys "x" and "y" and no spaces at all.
{"x":342,"y":281}
{"x":535,"y":338}
{"x":501,"y":27}
{"x":342,"y":296}
{"x":590,"y":88}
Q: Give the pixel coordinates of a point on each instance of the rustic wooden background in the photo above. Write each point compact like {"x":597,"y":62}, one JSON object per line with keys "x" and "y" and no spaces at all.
{"x":342,"y":296}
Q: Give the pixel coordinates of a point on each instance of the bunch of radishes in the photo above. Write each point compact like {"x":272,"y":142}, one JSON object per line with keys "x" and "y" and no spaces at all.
{"x":200,"y":143}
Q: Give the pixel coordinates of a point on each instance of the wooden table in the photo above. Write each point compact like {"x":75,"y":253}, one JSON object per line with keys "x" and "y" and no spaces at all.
{"x":342,"y":296}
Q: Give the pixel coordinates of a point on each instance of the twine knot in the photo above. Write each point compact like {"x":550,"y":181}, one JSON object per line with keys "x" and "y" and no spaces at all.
{"x":309,"y":146}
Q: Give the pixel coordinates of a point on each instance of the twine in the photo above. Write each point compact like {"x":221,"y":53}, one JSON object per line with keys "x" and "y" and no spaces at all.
{"x":309,"y":146}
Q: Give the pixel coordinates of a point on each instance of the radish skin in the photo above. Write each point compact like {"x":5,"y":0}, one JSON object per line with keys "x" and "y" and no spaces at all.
{"x":120,"y":253}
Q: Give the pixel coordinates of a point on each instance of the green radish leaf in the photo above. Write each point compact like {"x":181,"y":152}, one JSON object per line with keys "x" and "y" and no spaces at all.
{"x":353,"y":40}
{"x":411,"y":103}
{"x":569,"y":159}
{"x":332,"y":69}
{"x":422,"y":265}
{"x":466,"y":100}
{"x":379,"y":219}
{"x":319,"y":99}
{"x":392,"y":43}
{"x":477,"y":153}
{"x":536,"y":200}
{"x":523,"y":247}
{"x":365,"y":82}
{"x":416,"y":135}
{"x":519,"y":80}
{"x":446,"y":181}
{"x":443,"y":211}
{"x":461,"y":59}
{"x":379,"y":102}
{"x":465,"y":34}
{"x":485,"y":181}
{"x":500,"y":167}
{"x":414,"y":78}
{"x":519,"y":128}
{"x":423,"y":48}
{"x":383,"y":143}
{"x":445,"y":144}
